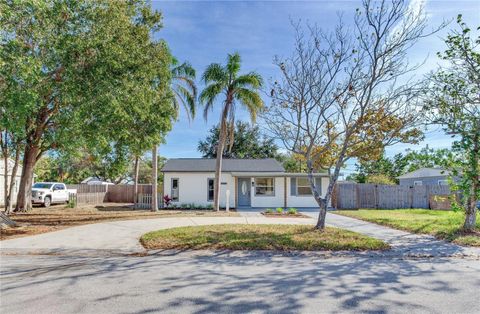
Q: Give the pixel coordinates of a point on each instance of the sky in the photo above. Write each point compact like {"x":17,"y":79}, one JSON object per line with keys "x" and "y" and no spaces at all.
{"x":203,"y":32}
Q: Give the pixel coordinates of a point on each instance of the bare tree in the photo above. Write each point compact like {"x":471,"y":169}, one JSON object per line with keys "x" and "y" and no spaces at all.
{"x":346,"y":94}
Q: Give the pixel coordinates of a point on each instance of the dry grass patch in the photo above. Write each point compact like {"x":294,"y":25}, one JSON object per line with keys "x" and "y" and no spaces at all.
{"x":439,"y":223}
{"x":41,"y":220}
{"x":259,"y":237}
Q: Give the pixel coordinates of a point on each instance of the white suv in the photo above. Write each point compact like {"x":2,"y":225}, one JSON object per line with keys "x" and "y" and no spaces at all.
{"x":47,"y":193}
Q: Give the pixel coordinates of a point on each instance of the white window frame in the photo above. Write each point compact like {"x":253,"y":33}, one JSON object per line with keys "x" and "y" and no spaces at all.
{"x":308,"y":185}
{"x":266,"y":186}
{"x":177,"y":198}
{"x":417,"y":183}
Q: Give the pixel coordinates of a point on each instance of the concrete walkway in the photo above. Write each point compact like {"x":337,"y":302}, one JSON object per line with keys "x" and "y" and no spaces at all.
{"x":122,"y":237}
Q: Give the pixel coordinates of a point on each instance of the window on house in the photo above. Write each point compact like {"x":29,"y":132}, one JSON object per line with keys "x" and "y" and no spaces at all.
{"x":442,"y":182}
{"x":415,"y":183}
{"x":303,"y":187}
{"x":210,"y":189}
{"x":264,"y":186}
{"x":175,"y":190}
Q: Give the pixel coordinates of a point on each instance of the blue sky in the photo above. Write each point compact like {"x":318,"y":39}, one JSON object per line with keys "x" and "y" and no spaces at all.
{"x":203,"y":32}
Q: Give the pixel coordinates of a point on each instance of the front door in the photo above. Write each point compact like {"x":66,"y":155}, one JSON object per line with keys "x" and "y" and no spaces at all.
{"x":243,"y":192}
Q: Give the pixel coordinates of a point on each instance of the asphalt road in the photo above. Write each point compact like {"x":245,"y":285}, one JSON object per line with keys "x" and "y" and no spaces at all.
{"x":237,"y":282}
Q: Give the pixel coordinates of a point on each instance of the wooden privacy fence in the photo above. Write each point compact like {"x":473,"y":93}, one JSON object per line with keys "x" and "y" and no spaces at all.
{"x":353,"y":196}
{"x":88,"y":194}
{"x":122,"y":193}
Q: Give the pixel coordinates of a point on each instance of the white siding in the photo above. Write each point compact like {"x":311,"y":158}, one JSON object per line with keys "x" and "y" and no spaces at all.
{"x":2,"y":189}
{"x":193,"y":187}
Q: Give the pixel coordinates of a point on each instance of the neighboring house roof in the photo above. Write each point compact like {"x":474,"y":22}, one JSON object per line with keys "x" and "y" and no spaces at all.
{"x":425,"y":173}
{"x":228,"y":165}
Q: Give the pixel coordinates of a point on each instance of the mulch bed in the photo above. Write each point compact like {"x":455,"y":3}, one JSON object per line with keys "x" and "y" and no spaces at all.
{"x":285,"y":215}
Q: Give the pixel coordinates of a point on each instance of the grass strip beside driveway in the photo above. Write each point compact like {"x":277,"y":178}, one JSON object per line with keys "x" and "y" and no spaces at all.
{"x":441,"y":224}
{"x":259,"y":237}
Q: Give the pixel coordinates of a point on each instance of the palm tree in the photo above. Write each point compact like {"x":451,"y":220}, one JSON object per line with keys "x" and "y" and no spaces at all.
{"x":237,"y":89}
{"x":185,"y":93}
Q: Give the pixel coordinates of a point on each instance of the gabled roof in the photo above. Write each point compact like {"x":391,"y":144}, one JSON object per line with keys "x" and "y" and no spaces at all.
{"x":425,"y":173}
{"x":228,"y":165}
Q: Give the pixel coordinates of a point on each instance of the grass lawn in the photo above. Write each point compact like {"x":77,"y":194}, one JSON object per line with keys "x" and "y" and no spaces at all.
{"x":259,"y":237}
{"x":442,"y":224}
{"x":41,"y":220}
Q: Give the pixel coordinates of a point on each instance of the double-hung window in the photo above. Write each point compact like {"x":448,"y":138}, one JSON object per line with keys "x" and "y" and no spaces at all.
{"x":264,"y":186}
{"x":303,"y":187}
{"x":175,"y":189}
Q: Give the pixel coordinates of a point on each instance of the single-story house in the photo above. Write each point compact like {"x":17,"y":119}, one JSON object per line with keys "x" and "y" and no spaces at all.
{"x":425,"y":176}
{"x":249,"y":183}
{"x":2,"y":180}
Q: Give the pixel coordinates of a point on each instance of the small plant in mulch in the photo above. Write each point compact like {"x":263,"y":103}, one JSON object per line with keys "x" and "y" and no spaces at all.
{"x":292,"y":211}
{"x":279,"y":212}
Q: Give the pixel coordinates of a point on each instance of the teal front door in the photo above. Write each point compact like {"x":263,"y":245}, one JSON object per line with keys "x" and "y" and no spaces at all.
{"x":243,"y":192}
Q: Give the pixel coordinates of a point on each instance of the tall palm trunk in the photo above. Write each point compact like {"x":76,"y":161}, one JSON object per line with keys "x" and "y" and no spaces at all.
{"x":154,"y":179}
{"x":218,"y":165}
{"x":135,"y":182}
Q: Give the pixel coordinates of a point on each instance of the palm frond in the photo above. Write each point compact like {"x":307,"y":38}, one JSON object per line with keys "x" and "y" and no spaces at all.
{"x":187,"y":99}
{"x":208,"y":95}
{"x":214,"y":73}
{"x":233,"y":64}
{"x":187,"y":93}
{"x":251,"y":100}
{"x":252,"y":80}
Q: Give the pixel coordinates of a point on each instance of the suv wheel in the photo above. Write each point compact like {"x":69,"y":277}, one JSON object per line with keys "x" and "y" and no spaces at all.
{"x":47,"y":201}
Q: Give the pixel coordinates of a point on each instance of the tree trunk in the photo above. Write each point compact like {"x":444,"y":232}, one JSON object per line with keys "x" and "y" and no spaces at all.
{"x":135,"y":182}
{"x":471,"y":208}
{"x":218,"y":165}
{"x":24,"y":198}
{"x":9,"y":195}
{"x":322,"y":203}
{"x":154,"y":179}
{"x":5,"y":184}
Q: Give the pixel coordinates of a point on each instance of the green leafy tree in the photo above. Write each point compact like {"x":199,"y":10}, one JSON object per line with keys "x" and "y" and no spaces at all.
{"x":246,"y":142}
{"x":238,"y":90}
{"x":393,"y":167}
{"x":454,"y":103}
{"x":90,"y":70}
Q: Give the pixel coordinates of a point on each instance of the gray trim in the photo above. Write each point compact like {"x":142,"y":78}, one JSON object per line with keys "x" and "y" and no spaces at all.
{"x":293,"y":186}
{"x":255,"y":187}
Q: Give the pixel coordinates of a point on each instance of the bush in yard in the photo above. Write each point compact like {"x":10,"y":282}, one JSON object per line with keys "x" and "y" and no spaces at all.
{"x":167,"y":200}
{"x":279,"y":210}
{"x":292,"y":211}
{"x":269,"y":211}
